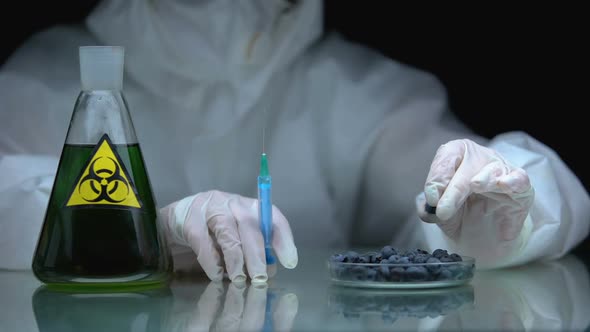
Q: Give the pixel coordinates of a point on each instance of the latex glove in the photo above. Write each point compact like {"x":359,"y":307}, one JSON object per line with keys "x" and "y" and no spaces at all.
{"x":223,"y":229}
{"x":477,"y":194}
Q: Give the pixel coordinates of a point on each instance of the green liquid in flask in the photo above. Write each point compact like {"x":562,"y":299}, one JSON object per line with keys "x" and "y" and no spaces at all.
{"x":101,"y":245}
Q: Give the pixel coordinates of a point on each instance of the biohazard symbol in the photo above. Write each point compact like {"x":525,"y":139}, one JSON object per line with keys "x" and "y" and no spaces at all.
{"x":104,"y":180}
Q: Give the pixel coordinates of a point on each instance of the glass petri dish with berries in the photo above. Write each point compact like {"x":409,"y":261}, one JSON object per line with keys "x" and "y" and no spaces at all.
{"x":397,"y":268}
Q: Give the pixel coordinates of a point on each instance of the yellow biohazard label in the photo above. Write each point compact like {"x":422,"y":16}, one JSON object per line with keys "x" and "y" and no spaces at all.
{"x":104,"y":180}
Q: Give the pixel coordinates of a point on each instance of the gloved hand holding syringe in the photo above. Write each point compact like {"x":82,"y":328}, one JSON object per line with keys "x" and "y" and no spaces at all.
{"x":217,"y":224}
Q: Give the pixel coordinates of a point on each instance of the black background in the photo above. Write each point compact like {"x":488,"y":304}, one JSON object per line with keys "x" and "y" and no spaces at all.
{"x":505,"y":68}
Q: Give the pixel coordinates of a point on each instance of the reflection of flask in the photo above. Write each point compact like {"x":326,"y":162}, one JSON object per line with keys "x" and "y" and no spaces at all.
{"x":100,"y":227}
{"x":146,"y":310}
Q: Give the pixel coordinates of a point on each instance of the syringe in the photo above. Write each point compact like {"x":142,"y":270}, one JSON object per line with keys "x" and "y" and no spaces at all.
{"x":265,"y":208}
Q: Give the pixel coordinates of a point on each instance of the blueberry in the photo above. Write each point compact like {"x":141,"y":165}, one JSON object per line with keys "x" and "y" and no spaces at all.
{"x":359,"y":273}
{"x":439,"y":253}
{"x":410,"y":253}
{"x":429,"y":208}
{"x":377,"y":258}
{"x":384,"y":272}
{"x":433,"y":260}
{"x":351,"y":257}
{"x":371,"y":275}
{"x":420,"y":259}
{"x":337,"y":258}
{"x":446,"y":259}
{"x":404,"y":260}
{"x":394,"y":259}
{"x":397,"y":273}
{"x":340,"y":271}
{"x":434,"y":268}
{"x":410,"y":256}
{"x":444,"y":274}
{"x":456,"y":258}
{"x":422,"y":251}
{"x":417,"y":273}
{"x":388,"y":251}
{"x":363,"y":260}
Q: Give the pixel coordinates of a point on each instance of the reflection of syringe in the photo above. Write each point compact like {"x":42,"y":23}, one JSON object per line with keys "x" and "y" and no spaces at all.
{"x":265,"y":208}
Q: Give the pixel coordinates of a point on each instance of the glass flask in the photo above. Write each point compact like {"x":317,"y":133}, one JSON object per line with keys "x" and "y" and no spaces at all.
{"x":100,"y":227}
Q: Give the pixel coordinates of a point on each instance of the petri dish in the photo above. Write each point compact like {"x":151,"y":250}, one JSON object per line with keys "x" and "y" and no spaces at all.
{"x":402,"y":275}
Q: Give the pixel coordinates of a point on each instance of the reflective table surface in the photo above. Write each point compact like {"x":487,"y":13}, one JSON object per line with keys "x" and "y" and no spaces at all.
{"x":544,"y":296}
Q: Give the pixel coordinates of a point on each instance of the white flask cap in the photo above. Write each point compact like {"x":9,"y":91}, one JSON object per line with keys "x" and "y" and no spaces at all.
{"x":101,"y":67}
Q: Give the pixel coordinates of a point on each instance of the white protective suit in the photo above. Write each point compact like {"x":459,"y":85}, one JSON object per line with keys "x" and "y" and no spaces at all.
{"x":351,"y":134}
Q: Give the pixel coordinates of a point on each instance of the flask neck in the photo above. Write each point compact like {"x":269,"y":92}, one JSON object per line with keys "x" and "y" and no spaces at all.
{"x":99,"y":112}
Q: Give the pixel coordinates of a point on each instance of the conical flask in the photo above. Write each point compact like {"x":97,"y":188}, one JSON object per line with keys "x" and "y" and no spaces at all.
{"x":100,"y":227}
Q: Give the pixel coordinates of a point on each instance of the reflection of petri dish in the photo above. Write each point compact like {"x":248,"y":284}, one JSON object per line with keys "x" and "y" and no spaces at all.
{"x":402,"y":276}
{"x":393,"y":304}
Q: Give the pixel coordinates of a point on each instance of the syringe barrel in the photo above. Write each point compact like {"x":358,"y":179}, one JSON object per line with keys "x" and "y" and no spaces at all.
{"x":265,"y":214}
